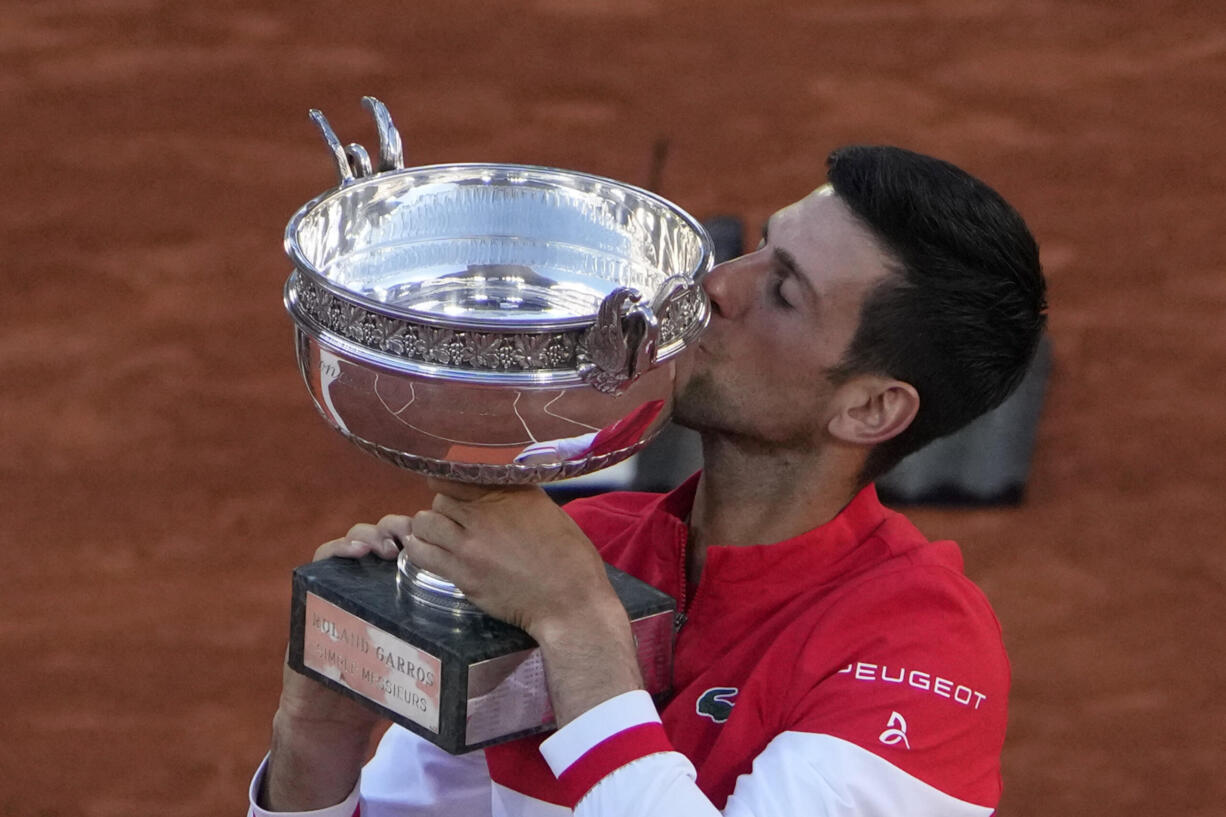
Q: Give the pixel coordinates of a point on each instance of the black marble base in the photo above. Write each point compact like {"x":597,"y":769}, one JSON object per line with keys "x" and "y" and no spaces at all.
{"x":461,"y":682}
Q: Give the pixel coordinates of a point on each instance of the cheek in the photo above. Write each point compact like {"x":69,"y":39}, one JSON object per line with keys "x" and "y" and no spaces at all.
{"x":796,"y":351}
{"x":683,"y":369}
{"x":817,"y":350}
{"x":838,"y":330}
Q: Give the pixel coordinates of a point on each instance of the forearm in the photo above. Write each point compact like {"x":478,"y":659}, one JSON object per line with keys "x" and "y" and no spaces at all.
{"x":589,"y":658}
{"x":312,"y":763}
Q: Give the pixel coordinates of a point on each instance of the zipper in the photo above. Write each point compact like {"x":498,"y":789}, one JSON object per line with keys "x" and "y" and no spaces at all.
{"x":682,"y":613}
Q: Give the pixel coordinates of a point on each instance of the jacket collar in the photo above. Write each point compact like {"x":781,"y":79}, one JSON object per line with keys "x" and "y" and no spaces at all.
{"x":823,"y":552}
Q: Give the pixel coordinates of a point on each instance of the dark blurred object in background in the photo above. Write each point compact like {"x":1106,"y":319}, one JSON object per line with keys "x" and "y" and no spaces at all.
{"x":986,"y":463}
{"x":727,"y":233}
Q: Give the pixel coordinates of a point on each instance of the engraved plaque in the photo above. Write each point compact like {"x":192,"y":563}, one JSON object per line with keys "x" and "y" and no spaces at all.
{"x":390,"y":672}
{"x":460,"y":682}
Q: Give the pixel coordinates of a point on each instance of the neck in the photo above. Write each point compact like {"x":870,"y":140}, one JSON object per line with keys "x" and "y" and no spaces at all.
{"x":752,"y":494}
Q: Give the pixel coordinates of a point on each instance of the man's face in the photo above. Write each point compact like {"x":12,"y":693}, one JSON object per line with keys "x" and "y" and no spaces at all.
{"x":782,"y":318}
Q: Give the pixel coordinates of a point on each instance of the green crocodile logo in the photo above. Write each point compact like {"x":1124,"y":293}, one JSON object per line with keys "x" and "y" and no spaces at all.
{"x":716,"y":703}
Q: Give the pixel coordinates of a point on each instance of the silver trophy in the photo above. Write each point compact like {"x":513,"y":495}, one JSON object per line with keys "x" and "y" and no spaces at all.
{"x":486,"y":323}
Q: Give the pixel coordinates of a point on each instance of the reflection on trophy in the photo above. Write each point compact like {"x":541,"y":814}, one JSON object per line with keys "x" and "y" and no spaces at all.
{"x":491,"y":324}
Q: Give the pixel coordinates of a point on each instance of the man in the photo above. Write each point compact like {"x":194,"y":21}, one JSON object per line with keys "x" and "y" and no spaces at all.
{"x":829,"y":659}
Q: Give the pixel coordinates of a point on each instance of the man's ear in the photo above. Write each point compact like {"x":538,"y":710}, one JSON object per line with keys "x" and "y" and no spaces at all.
{"x":870,"y":409}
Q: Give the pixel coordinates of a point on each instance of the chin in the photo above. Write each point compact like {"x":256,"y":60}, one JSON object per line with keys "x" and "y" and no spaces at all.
{"x":682,"y":413}
{"x":698,"y":407}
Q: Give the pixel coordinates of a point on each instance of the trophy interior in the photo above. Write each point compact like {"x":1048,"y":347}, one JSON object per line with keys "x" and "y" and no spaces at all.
{"x":493,"y":246}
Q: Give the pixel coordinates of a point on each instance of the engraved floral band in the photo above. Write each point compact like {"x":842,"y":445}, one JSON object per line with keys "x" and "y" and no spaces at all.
{"x":680,"y":312}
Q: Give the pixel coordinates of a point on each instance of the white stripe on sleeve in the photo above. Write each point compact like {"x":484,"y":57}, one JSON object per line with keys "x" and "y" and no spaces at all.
{"x":602,"y":721}
{"x":798,"y":773}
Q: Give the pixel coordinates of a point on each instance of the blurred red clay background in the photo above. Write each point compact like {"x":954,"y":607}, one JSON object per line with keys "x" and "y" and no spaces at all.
{"x":162,"y":469}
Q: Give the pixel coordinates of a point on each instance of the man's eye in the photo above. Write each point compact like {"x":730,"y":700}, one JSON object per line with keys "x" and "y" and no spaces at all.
{"x":777,"y":292}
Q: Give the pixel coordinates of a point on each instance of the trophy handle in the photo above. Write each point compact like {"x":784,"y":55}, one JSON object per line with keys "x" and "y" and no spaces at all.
{"x":621,"y":344}
{"x":343,"y":170}
{"x":391,"y":149}
{"x":352,"y":161}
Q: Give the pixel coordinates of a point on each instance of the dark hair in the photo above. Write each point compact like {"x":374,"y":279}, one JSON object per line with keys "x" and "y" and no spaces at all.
{"x":961,"y":318}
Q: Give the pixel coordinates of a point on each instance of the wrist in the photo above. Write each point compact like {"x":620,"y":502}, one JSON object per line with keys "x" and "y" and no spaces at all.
{"x":589,"y":657}
{"x":304,"y":726}
{"x":313,"y":762}
{"x":597,"y":621}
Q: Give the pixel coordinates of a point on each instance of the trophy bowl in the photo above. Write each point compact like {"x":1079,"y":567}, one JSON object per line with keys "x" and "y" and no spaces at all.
{"x":495,"y":324}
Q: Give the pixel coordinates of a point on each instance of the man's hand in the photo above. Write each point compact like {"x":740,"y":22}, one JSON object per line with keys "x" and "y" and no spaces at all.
{"x":320,"y":737}
{"x":520,"y":558}
{"x":513,"y":552}
{"x":304,"y":699}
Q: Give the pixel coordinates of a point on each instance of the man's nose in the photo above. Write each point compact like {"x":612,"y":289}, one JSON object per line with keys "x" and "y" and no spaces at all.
{"x":727,"y":287}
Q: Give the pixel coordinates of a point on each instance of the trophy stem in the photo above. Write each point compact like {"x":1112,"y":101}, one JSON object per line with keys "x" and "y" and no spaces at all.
{"x":431,"y":590}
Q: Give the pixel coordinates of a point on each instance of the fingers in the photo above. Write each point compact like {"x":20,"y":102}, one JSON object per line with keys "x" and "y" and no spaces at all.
{"x":434,"y":545}
{"x":436,"y":528}
{"x":364,"y":533}
{"x":363,"y":539}
{"x":345,"y":548}
{"x":384,"y":539}
{"x":450,"y":507}
{"x":396,"y":527}
{"x":433,"y":558}
{"x":356,"y":549}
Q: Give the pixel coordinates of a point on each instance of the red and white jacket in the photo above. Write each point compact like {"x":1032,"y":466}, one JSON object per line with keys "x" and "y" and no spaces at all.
{"x":852,"y":670}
